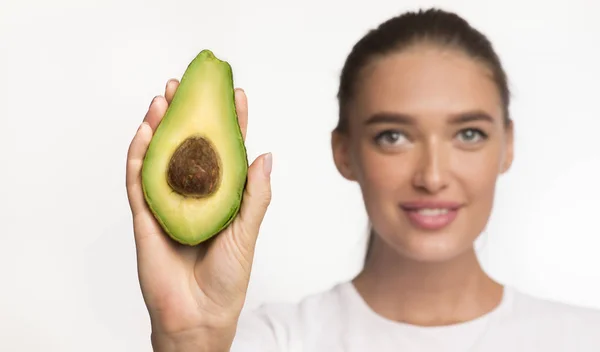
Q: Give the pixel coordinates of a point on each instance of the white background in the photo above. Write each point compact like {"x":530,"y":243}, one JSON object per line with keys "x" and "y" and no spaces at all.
{"x":77,"y":76}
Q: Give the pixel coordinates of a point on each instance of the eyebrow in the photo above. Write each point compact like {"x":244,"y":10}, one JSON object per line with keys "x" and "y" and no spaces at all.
{"x":390,"y":117}
{"x":471,"y":116}
{"x":405,"y":119}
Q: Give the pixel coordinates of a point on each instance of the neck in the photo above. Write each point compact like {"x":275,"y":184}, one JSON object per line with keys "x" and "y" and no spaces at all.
{"x":426,"y":293}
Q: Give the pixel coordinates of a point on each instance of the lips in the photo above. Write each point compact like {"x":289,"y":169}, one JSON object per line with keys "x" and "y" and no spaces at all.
{"x":431,"y":215}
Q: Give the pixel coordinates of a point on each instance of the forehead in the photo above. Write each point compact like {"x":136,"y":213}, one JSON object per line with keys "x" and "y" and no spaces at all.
{"x":426,"y":81}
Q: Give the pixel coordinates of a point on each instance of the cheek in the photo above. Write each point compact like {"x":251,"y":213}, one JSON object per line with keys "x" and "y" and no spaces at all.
{"x":478,"y":173}
{"x":380,"y":175}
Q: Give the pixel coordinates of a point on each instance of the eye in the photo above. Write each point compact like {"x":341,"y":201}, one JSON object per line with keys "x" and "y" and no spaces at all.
{"x":471,"y":135}
{"x":390,"y":137}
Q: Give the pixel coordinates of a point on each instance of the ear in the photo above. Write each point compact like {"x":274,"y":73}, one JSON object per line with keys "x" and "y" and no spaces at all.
{"x":508,"y":147}
{"x":341,"y":154}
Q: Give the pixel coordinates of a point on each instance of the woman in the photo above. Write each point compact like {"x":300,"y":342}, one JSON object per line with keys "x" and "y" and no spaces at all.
{"x":424,"y":128}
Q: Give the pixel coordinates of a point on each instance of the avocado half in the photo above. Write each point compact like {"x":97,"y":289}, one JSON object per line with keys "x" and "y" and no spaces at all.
{"x":195,"y":169}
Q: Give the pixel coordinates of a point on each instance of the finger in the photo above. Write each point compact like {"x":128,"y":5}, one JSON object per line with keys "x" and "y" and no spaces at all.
{"x":155,"y":113}
{"x":241,"y":108}
{"x":135,"y":157}
{"x":257,"y":196}
{"x":170,"y":89}
{"x":137,"y":152}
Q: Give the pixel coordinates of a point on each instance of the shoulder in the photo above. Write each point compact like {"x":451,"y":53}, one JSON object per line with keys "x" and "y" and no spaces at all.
{"x":552,"y":320}
{"x":275,"y":326}
{"x":529,"y":305}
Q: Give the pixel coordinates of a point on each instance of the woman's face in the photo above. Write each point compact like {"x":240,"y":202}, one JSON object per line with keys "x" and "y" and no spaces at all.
{"x":426,"y":143}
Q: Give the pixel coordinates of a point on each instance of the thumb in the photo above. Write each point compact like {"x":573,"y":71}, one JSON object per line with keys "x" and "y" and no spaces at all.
{"x":257,"y":195}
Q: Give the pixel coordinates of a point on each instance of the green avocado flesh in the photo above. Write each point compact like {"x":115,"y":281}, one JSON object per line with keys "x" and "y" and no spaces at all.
{"x":196,"y":165}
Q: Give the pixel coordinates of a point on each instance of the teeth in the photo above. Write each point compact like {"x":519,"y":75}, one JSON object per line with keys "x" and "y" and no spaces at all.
{"x":433,"y":212}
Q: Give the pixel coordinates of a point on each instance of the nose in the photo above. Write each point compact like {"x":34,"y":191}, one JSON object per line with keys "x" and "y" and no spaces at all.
{"x":431,"y":174}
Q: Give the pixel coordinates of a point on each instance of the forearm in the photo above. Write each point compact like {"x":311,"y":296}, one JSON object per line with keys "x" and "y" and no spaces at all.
{"x":193,"y":341}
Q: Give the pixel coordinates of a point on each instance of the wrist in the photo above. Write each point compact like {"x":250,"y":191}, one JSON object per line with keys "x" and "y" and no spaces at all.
{"x":196,"y":340}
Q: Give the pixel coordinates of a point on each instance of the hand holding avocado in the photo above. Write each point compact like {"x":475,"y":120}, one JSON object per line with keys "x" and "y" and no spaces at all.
{"x":197,"y":207}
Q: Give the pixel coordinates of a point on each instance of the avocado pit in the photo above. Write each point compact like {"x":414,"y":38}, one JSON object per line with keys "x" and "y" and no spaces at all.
{"x":195,"y":168}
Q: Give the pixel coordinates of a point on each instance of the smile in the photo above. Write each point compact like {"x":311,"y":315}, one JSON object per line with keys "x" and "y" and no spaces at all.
{"x":432,"y":211}
{"x":430,"y":215}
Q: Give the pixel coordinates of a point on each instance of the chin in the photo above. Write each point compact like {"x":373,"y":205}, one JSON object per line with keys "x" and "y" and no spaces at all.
{"x":421,"y":246}
{"x":433,"y":247}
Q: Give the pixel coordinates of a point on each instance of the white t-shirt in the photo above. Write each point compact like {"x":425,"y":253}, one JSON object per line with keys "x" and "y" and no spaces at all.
{"x":339,"y":320}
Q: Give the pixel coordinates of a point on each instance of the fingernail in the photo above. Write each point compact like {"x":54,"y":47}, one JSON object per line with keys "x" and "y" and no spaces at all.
{"x":267,"y":164}
{"x":143,"y":125}
{"x":152,"y":102}
{"x":171,"y":82}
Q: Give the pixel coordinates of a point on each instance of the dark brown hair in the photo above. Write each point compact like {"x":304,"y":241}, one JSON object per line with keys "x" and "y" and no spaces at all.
{"x":432,"y":26}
